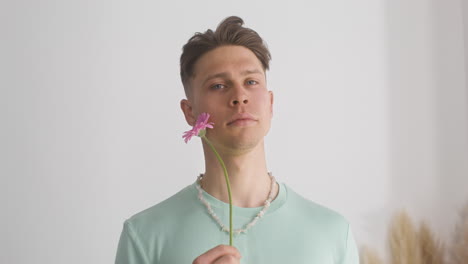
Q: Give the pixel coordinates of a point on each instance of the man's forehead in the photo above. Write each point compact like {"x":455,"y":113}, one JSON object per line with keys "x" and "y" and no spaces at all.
{"x":235,"y":59}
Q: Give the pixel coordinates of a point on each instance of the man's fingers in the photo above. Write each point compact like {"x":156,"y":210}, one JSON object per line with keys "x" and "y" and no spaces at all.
{"x":215,"y":253}
{"x":227,"y":259}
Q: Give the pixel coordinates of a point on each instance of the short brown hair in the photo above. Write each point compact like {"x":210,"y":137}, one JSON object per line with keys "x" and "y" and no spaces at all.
{"x":228,"y":32}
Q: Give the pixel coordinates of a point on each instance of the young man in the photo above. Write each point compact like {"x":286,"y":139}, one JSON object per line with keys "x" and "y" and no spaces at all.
{"x":224,"y":74}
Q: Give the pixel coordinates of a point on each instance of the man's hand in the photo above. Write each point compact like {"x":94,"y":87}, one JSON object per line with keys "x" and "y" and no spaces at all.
{"x":221,"y":254}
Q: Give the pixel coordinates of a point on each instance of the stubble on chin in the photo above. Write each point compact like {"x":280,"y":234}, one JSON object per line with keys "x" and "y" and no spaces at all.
{"x":238,"y":145}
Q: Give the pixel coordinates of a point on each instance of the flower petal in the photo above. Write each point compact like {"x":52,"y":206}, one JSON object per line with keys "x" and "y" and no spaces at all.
{"x":200,"y":124}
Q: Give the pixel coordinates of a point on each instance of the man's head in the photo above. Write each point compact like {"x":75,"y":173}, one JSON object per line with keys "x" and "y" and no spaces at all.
{"x":229,"y":32}
{"x":224,"y":75}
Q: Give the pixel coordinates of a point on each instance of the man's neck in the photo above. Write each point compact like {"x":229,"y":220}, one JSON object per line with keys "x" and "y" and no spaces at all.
{"x":248,"y":176}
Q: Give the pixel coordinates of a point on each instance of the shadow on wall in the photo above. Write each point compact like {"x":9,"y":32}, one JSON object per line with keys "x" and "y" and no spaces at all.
{"x":464,"y":11}
{"x":428,"y":109}
{"x":451,"y":107}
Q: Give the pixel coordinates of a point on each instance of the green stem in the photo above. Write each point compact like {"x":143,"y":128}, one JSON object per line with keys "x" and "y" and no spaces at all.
{"x":228,"y":186}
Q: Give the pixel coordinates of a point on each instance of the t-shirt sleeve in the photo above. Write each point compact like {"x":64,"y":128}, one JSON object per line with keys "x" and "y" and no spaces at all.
{"x":129,"y":250}
{"x":351,"y":255}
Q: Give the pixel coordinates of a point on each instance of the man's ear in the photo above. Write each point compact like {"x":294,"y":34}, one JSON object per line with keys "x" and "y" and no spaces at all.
{"x":271,"y":102}
{"x":186,"y":107}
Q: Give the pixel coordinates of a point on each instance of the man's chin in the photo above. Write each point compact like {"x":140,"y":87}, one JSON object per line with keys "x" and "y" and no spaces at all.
{"x":236,"y":139}
{"x":241,"y":145}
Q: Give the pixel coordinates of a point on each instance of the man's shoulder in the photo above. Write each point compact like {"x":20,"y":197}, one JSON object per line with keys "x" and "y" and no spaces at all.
{"x":313,"y":210}
{"x":163,"y":211}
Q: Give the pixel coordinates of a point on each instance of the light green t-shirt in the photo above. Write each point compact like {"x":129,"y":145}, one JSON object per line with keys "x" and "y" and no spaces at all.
{"x":293,"y":230}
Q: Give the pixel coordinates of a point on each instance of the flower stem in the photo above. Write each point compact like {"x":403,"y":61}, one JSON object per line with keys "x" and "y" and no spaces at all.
{"x":228,"y":185}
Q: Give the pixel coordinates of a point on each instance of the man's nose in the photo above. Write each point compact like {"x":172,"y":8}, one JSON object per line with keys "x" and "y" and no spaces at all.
{"x":239,"y":97}
{"x":236,"y":101}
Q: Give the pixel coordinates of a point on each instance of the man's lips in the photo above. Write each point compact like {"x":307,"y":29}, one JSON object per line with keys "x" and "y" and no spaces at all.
{"x":242,"y":117}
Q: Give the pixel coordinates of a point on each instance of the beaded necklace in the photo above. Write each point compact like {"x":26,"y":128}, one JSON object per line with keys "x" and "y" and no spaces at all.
{"x":247,"y":226}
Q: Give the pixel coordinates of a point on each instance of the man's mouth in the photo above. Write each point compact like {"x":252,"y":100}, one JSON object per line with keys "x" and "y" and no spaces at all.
{"x":242,"y":119}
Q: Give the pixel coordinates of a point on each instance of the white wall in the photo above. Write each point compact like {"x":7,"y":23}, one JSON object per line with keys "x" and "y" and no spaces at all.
{"x":370,"y":114}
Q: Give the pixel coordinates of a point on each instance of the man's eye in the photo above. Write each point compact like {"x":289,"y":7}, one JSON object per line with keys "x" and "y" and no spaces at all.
{"x":217,"y":86}
{"x":252,"y":82}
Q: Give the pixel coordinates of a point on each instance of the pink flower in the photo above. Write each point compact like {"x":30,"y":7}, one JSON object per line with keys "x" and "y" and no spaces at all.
{"x":200,"y":126}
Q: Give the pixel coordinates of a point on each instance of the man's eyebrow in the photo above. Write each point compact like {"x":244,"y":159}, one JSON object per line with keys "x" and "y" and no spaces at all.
{"x":247,"y":72}
{"x":216,"y":75}
{"x":225,"y":74}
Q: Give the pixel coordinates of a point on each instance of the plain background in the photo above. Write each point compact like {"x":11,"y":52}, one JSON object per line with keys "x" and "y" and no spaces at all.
{"x":370,"y":114}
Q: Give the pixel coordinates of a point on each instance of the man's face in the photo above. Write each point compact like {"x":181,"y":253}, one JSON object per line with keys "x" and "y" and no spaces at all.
{"x":229,"y":81}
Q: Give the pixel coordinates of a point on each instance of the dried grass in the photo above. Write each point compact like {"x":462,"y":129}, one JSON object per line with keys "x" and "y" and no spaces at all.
{"x":404,"y":241}
{"x":369,"y":256}
{"x":459,"y":251}
{"x":432,"y":250}
{"x":409,"y":246}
